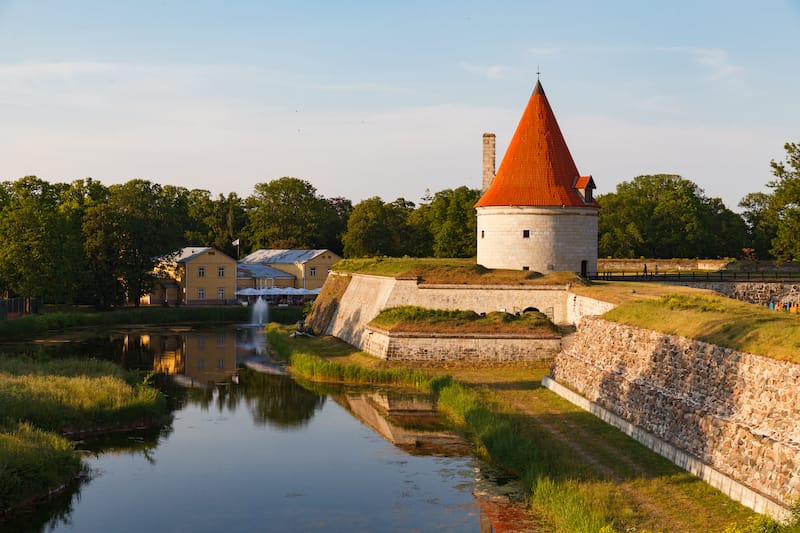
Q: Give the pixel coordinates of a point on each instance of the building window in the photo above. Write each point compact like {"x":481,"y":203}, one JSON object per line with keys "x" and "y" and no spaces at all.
{"x":526,"y":268}
{"x":220,"y":272}
{"x":201,"y":294}
{"x":526,"y":234}
{"x":481,"y":234}
{"x":221,"y":293}
{"x":312,"y":272}
{"x":201,"y":272}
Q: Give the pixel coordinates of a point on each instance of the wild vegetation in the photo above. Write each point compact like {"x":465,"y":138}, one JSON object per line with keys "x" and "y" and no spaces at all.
{"x":41,"y":399}
{"x":581,"y":474}
{"x":450,"y":271}
{"x":418,"y":319}
{"x":716,"y":320}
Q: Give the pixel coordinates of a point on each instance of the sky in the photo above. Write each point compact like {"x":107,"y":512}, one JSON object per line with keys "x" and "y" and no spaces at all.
{"x":390,"y":99}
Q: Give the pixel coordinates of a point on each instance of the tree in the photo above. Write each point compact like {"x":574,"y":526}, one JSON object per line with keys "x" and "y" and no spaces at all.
{"x":34,"y":240}
{"x":453,"y":222}
{"x":378,"y":228}
{"x":666,"y":216}
{"x":288,"y":213}
{"x":125,"y":237}
{"x":785,"y":205}
{"x":762,"y":222}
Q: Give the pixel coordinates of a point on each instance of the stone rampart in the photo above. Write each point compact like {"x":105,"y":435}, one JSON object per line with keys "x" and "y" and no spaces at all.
{"x":440,"y":347}
{"x":733,"y":411}
{"x":755,"y":292}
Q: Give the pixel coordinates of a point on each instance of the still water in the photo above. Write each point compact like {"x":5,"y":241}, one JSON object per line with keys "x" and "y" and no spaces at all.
{"x":248,"y":451}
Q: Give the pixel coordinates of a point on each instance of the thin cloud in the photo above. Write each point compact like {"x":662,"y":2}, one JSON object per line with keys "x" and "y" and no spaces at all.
{"x":718,"y":62}
{"x":543,"y":50}
{"x":491,"y":72}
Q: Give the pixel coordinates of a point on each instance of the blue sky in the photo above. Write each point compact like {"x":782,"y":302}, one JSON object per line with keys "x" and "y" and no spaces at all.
{"x":390,"y":99}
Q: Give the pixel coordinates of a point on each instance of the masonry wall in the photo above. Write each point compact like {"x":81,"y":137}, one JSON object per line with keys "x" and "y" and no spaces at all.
{"x":439,"y":347}
{"x":559,"y":238}
{"x":734,"y":411}
{"x":760,"y":293}
{"x":366,"y":295}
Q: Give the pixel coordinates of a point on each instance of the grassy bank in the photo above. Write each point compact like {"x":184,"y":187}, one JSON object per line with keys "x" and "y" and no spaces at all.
{"x":41,"y":399}
{"x":32,"y":325}
{"x":33,"y":463}
{"x":581,"y":474}
{"x":717,"y":320}
{"x":418,"y":319}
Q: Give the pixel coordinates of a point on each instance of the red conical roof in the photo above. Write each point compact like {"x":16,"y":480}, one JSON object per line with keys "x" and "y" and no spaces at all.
{"x":537,"y":169}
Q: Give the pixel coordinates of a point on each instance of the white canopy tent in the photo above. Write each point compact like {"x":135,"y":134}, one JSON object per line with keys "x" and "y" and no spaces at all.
{"x":277,"y":291}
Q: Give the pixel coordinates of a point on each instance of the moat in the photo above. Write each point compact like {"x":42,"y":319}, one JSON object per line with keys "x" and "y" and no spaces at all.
{"x":249,"y":451}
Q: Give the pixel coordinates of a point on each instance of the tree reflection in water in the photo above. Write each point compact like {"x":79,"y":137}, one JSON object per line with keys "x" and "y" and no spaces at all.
{"x":277,"y":401}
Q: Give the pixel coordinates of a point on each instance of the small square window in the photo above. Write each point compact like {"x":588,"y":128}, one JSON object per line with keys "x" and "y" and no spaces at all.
{"x":526,"y":268}
{"x":526,"y":234}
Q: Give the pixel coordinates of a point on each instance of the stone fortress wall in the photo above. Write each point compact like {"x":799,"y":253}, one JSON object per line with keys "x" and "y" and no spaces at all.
{"x":727,"y":416}
{"x":733,"y":411}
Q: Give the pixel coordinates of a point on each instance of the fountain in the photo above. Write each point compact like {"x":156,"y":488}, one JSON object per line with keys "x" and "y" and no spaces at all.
{"x":259,"y":315}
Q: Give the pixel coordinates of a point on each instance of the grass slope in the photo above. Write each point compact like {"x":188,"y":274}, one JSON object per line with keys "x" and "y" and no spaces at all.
{"x":418,"y":319}
{"x":718,"y":320}
{"x":582,"y":475}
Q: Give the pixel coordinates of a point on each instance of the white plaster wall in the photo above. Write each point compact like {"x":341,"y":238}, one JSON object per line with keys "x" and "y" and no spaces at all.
{"x":560,"y":238}
{"x":581,"y":306}
{"x":364,"y":298}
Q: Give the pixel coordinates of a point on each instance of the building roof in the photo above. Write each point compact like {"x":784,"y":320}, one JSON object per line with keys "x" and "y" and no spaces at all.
{"x":277,"y":256}
{"x":257,"y":270}
{"x":189,"y":252}
{"x":537,"y":169}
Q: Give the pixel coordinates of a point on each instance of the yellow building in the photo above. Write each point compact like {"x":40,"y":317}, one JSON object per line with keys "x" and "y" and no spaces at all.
{"x":310,"y":268}
{"x":203,"y":275}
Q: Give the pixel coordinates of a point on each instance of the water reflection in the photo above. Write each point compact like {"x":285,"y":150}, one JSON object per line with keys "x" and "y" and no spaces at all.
{"x":253,"y":451}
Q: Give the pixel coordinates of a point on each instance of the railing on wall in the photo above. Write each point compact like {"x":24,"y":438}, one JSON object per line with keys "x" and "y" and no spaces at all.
{"x":696,"y":276}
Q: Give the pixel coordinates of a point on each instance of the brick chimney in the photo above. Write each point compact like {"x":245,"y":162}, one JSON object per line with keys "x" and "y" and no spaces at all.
{"x":488,"y":160}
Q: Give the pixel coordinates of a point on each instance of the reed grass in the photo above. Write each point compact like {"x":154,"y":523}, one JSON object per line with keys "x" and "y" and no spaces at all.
{"x":30,"y":325}
{"x":32,"y":464}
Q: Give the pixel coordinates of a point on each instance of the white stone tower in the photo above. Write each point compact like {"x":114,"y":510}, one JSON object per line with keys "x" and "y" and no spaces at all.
{"x":538,"y":213}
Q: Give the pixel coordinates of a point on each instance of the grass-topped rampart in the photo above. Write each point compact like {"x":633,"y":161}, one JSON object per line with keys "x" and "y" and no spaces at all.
{"x":421,"y":320}
{"x":450,"y":272}
{"x":716,"y":320}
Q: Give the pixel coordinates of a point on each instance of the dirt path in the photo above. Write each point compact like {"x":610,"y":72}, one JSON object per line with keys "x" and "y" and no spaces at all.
{"x":654,"y":495}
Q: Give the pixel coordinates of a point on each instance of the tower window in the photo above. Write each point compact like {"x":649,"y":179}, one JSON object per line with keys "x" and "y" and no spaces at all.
{"x":526,"y":234}
{"x":481,"y":234}
{"x":526,"y":268}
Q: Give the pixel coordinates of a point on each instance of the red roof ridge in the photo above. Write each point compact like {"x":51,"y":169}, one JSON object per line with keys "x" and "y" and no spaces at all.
{"x":537,"y":169}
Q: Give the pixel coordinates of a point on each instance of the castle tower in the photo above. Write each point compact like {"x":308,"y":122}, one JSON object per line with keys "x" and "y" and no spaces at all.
{"x":539,"y":213}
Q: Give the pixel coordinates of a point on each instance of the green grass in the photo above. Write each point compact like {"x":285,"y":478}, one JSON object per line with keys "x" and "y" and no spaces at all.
{"x":33,"y":463}
{"x":571,"y":493}
{"x":30,"y":325}
{"x":40,"y":398}
{"x":451,"y":272}
{"x":69,"y":395}
{"x":717,"y":320}
{"x":418,"y":319}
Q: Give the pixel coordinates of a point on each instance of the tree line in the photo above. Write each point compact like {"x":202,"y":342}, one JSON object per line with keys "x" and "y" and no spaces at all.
{"x":87,"y":243}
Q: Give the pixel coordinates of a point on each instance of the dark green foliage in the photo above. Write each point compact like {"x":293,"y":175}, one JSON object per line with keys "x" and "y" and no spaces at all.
{"x":288,"y":213}
{"x":667,"y":216}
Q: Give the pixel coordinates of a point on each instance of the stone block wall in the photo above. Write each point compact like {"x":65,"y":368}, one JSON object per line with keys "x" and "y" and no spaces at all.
{"x":736,"y":412}
{"x":459,"y":347}
{"x":755,"y":292}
